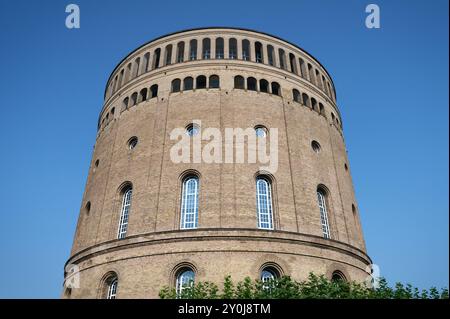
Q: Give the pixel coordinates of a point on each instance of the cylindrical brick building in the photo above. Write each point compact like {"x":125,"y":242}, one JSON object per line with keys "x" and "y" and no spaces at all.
{"x":147,"y":221}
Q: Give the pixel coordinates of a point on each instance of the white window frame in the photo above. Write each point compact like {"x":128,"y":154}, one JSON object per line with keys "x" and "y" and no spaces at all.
{"x":112,"y":289}
{"x":182,"y":280}
{"x":124,"y":213}
{"x":189,"y":204}
{"x":321,"y":198}
{"x":264,"y":204}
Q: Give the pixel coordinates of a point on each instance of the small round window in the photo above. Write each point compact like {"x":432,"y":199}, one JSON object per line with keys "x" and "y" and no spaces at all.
{"x":261,"y":131}
{"x":132,"y":142}
{"x":192,"y":130}
{"x":315,"y":146}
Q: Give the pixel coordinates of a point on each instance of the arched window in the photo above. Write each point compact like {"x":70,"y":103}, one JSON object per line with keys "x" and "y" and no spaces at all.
{"x":305,"y":99}
{"x":110,"y":287}
{"x":332,"y":117}
{"x":168,"y":54}
{"x":146,"y":62}
{"x":185,"y":278}
{"x":268,"y":274}
{"x":154,"y":91}
{"x":239,"y":82}
{"x":323,"y":84}
{"x":189,"y":203}
{"x":188,"y":83}
{"x":292,"y":63}
{"x":319,"y":83}
{"x":124,"y":212}
{"x":270,"y":55}
{"x":282,"y":58}
{"x":180,"y":52}
{"x":311,"y":74}
{"x":115,"y":84}
{"x":214,"y":82}
{"x":121,"y":78}
{"x":251,"y":84}
{"x":264,"y":203}
{"x":156,"y":58}
{"x":232,"y":50}
{"x":259,"y":52}
{"x":127,"y":74}
{"x":302,"y":68}
{"x":134,"y":99}
{"x":314,"y":104}
{"x":276,"y":88}
{"x":193,"y":50}
{"x":245,"y":50}
{"x":322,"y":199}
{"x":143,"y":95}
{"x":321,"y":109}
{"x":176,"y":85}
{"x":338,"y":276}
{"x":137,"y":63}
{"x":219,"y":48}
{"x":263,"y":86}
{"x":206,"y":48}
{"x":125,"y":103}
{"x":296,"y":95}
{"x":200,"y":82}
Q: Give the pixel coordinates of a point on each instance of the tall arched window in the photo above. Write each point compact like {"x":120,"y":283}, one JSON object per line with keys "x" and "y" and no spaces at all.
{"x":282,"y":58}
{"x":263,"y":86}
{"x":112,"y":288}
{"x":193,"y":50}
{"x":251,"y":84}
{"x":259,"y":52}
{"x":120,"y":78}
{"x":232,"y":48}
{"x":180,"y":52}
{"x":168,"y":54}
{"x":322,"y":199}
{"x":156,"y":58}
{"x":154,"y":90}
{"x":296,"y":95}
{"x":146,"y":62}
{"x":245,"y":50}
{"x":292,"y":63}
{"x":319,"y":82}
{"x":189,"y":203}
{"x":264,"y":203}
{"x":137,"y":63}
{"x":109,"y":286}
{"x":188,"y":83}
{"x":206,"y":48}
{"x":239,"y":82}
{"x":270,"y":55}
{"x":214,"y":82}
{"x":311,"y":74}
{"x":176,"y":85}
{"x":302,"y":68}
{"x":185,"y":278}
{"x":219,"y":48}
{"x":124,"y":212}
{"x":200,"y":82}
{"x":276,"y":88}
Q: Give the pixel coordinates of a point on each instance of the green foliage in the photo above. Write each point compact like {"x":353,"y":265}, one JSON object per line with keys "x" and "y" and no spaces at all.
{"x":315,"y":287}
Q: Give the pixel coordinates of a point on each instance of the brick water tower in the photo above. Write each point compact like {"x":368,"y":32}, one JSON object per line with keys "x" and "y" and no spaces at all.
{"x":147,"y":221}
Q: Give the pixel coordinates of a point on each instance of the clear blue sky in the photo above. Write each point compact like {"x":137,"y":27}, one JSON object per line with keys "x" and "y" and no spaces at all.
{"x":392,"y":89}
